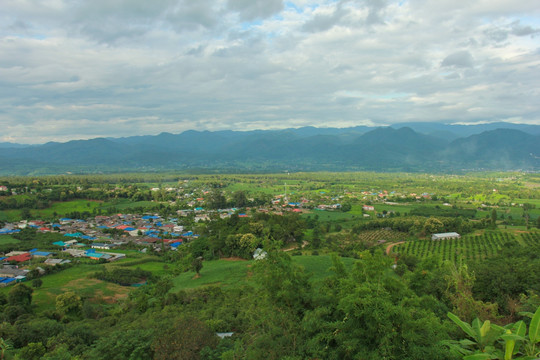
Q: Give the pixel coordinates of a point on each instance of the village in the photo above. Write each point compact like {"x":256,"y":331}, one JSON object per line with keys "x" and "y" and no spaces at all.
{"x":100,"y":237}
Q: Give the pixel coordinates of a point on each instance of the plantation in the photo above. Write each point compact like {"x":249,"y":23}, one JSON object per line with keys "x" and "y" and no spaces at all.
{"x":472,"y":247}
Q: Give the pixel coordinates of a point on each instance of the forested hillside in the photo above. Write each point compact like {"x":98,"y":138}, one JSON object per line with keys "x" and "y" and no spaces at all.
{"x":304,"y":149}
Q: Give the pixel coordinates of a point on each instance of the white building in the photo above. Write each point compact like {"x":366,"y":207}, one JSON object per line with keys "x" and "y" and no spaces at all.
{"x":445,"y":236}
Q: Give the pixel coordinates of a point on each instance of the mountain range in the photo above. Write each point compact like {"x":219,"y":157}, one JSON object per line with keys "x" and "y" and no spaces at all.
{"x":402,"y":147}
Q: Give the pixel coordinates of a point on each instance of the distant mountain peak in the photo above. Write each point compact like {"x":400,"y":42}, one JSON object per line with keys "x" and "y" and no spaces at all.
{"x":403,"y":148}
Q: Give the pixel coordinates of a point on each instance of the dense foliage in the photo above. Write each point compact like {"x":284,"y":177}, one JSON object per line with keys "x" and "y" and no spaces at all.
{"x":122,"y":276}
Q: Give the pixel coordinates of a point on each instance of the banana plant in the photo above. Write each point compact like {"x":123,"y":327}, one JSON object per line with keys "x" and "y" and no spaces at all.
{"x":490,"y":341}
{"x":4,"y":346}
{"x":483,"y":335}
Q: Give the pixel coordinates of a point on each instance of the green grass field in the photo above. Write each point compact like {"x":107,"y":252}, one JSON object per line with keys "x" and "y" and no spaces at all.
{"x":10,"y":215}
{"x":74,"y":279}
{"x":67,"y":207}
{"x":60,"y":209}
{"x":157,"y":268}
{"x":78,"y":279}
{"x":231,"y":273}
{"x":325,"y":215}
{"x":318,"y":266}
{"x":127,"y":204}
{"x":6,"y":239}
{"x":217,"y":272}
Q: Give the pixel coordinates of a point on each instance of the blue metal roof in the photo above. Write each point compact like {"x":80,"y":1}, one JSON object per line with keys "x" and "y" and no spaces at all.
{"x":41,"y":253}
{"x":77,"y":234}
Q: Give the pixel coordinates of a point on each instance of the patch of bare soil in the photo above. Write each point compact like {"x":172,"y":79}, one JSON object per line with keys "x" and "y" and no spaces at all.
{"x":118,"y":292}
{"x":234,"y":258}
{"x":80,"y":283}
{"x":389,"y":247}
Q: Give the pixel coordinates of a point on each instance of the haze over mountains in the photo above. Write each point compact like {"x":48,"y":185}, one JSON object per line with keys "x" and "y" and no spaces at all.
{"x":400,"y":147}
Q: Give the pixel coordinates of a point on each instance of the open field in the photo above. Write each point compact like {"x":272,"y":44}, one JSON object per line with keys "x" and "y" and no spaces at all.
{"x":61,"y":209}
{"x":6,"y":239}
{"x":217,"y":272}
{"x":75,"y":278}
{"x":229,"y":273}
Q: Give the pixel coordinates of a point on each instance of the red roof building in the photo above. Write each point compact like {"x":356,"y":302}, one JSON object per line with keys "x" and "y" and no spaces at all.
{"x":20,"y":258}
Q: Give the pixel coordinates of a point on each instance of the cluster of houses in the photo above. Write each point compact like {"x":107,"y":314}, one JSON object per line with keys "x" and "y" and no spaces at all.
{"x":11,"y":271}
{"x":106,"y":232}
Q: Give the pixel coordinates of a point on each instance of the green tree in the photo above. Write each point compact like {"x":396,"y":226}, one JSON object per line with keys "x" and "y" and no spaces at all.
{"x":284,"y":283}
{"x":20,"y":294}
{"x":197,"y":265}
{"x":239,"y":199}
{"x":60,"y":353}
{"x":494,"y":219}
{"x":242,"y":245}
{"x":460,"y":281}
{"x":216,"y":200}
{"x":433,"y":225}
{"x":184,"y":341}
{"x":37,"y":283}
{"x":127,"y":344}
{"x":32,"y":351}
{"x":26,"y":214}
{"x":69,"y":303}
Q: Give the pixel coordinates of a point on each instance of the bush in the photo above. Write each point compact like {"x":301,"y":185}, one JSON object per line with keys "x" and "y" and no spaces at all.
{"x":36,"y":283}
{"x":124,"y":277}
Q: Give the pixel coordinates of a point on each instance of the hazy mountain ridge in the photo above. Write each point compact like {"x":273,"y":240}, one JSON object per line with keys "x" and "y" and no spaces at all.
{"x":361,"y":148}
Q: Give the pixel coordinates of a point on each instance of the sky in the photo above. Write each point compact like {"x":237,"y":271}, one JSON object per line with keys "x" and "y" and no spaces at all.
{"x":78,"y":69}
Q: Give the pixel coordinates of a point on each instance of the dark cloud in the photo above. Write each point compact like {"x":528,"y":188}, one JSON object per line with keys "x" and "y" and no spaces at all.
{"x":250,"y":10}
{"x":322,"y":22}
{"x":460,"y":59}
{"x":376,"y":8}
{"x":523,"y":30}
{"x":497,"y":34}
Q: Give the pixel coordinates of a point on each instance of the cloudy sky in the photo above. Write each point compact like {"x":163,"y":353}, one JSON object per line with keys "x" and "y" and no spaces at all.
{"x":78,"y":69}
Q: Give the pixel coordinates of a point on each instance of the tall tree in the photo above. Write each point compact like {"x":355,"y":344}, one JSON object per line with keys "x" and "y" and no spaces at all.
{"x":494,"y":219}
{"x":20,"y":294}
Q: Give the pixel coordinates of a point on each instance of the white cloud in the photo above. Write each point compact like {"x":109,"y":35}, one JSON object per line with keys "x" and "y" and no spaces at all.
{"x":80,"y":69}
